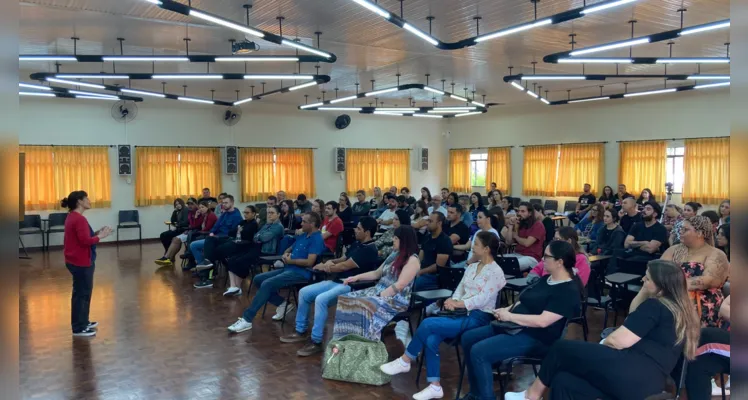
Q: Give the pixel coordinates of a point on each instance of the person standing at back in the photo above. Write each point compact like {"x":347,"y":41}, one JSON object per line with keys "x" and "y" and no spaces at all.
{"x":80,"y":259}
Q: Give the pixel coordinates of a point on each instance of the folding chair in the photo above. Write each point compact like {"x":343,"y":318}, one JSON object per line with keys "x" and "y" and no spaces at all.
{"x":55,"y":224}
{"x":128,"y":219}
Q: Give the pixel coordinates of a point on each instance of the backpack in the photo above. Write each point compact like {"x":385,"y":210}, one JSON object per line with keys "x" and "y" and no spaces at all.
{"x":355,"y":359}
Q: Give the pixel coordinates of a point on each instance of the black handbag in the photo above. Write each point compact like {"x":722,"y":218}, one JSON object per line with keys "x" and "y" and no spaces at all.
{"x":456,"y":313}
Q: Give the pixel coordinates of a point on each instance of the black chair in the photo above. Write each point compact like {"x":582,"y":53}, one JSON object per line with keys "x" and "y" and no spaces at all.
{"x":55,"y":224}
{"x":406,"y":315}
{"x":570,"y":206}
{"x":510,"y":266}
{"x":535,"y":201}
{"x":550,"y":205}
{"x":129,"y":219}
{"x":31,"y":225}
{"x":516,"y":201}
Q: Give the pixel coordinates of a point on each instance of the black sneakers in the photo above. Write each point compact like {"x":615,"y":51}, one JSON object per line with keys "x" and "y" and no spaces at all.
{"x":310,"y":349}
{"x":85,"y":333}
{"x":203,"y":284}
{"x":92,"y":324}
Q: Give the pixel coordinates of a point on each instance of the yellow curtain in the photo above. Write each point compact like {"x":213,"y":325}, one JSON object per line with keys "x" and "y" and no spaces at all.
{"x":199,"y":167}
{"x":499,"y":169}
{"x":642,"y":165}
{"x":84,"y":168}
{"x":394,"y":167}
{"x":706,"y":165}
{"x":40,"y":190}
{"x":294,"y":172}
{"x":540,"y":168}
{"x":256,"y":173}
{"x":156,"y":175}
{"x":361,"y":170}
{"x":580,"y":164}
{"x":459,"y":171}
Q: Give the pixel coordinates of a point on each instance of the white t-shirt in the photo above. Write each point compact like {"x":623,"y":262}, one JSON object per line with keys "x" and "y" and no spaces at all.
{"x":423,"y":228}
{"x":387,"y":215}
{"x":472,"y":240}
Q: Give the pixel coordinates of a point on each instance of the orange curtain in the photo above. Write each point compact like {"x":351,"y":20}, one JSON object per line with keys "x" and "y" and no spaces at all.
{"x":706,"y":164}
{"x":642,"y":165}
{"x":52,"y":172}
{"x":499,"y":169}
{"x":256,"y":173}
{"x":199,"y":167}
{"x":580,"y":164}
{"x":459,"y":171}
{"x":156,"y":175}
{"x":367,"y":168}
{"x":540,"y":170}
{"x":294,"y":172}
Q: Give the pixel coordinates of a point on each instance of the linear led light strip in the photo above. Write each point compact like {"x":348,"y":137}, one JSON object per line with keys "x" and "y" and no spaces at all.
{"x":145,"y":59}
{"x":278,"y":76}
{"x":80,"y":96}
{"x":76,"y":83}
{"x":388,"y":113}
{"x":303,"y":85}
{"x":92,"y":94}
{"x":253,"y":59}
{"x":586,"y":100}
{"x":595,"y":60}
{"x":47,"y":58}
{"x":311,"y":105}
{"x":661,"y":91}
{"x":616,"y":45}
{"x":613,"y":60}
{"x":373,"y":7}
{"x":342,"y":99}
{"x":305,"y":48}
{"x":553,"y":77}
{"x":432,"y":90}
{"x":340,"y":108}
{"x":693,"y":61}
{"x":515,"y":29}
{"x":427,"y":116}
{"x":223,"y":22}
{"x":153,"y":59}
{"x":195,"y":100}
{"x":240,"y":102}
{"x":460,"y":98}
{"x":32,"y":86}
{"x":709,"y":77}
{"x":187,"y":76}
{"x":382,"y":91}
{"x":38,"y":94}
{"x":421,"y":34}
{"x":518,"y":86}
{"x":468,"y":114}
{"x":706,"y":27}
{"x":142,"y":92}
{"x":594,"y":9}
{"x":712,"y":85}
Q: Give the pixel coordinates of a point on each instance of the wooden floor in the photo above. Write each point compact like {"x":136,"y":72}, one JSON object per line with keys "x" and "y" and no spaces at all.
{"x":159,"y":338}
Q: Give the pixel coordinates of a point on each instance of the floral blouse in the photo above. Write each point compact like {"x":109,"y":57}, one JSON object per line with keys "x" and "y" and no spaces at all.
{"x":480,"y":292}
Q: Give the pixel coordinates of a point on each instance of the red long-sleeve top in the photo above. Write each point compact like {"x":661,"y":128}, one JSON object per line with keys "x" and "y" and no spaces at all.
{"x":78,"y":240}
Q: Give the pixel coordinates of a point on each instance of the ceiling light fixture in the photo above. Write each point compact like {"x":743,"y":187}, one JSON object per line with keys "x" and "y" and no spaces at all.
{"x":712,"y":85}
{"x":194,"y":100}
{"x":594,"y":9}
{"x":595,"y":60}
{"x":38,"y":94}
{"x":693,"y":61}
{"x":377,"y":92}
{"x":468,"y":114}
{"x":156,"y":2}
{"x":32,"y":86}
{"x":91,"y":76}
{"x":92,"y":94}
{"x":76,"y":83}
{"x":145,"y":59}
{"x":545,"y":101}
{"x":311,"y":105}
{"x":427,"y":116}
{"x":432,"y":90}
{"x":460,"y":98}
{"x":477,"y":104}
{"x":388,"y":113}
{"x":671,"y":90}
{"x":706,"y":27}
{"x":306,"y":48}
{"x":515,"y":29}
{"x":421,"y":34}
{"x":342,"y":99}
{"x":340,"y":108}
{"x":240,"y":102}
{"x":188,"y":76}
{"x":373,"y":7}
{"x":553,"y":77}
{"x":303,"y":85}
{"x":79,"y":96}
{"x":616,"y":45}
{"x":709,"y":77}
{"x":142,"y":92}
{"x":591,"y":99}
{"x":279,"y":76}
{"x":255,"y":59}
{"x":226,"y":23}
{"x":518,"y":86}
{"x":398,"y":109}
{"x":532,"y":94}
{"x":46,"y":58}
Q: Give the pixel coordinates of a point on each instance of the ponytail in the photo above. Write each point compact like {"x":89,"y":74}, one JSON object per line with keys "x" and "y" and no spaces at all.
{"x":564,"y":251}
{"x":71,"y":202}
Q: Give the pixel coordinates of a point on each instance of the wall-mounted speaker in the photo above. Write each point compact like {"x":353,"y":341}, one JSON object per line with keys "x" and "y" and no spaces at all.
{"x":124,"y":156}
{"x":232,"y":160}
{"x":423,"y":159}
{"x":340,"y":159}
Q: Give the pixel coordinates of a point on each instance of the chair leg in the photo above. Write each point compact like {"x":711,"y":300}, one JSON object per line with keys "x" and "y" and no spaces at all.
{"x":605,"y":319}
{"x":23,"y":247}
{"x":420,"y":366}
{"x":118,"y":236}
{"x":722,"y":384}
{"x":140,"y":235}
{"x":459,"y":381}
{"x":585,"y":328}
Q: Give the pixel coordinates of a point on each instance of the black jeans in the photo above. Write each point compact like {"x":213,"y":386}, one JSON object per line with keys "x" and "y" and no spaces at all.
{"x":81,"y":301}
{"x":212,"y":243}
{"x":167,"y":236}
{"x":704,"y":367}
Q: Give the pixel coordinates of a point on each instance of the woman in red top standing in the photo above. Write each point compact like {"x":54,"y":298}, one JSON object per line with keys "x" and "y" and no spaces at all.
{"x":80,"y":258}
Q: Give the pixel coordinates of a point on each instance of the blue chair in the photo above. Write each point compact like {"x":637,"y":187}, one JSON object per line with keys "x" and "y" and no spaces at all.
{"x":31,"y":225}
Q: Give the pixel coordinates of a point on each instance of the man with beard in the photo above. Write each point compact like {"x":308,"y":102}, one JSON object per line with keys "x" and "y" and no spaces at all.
{"x":645,"y":241}
{"x":529,"y":234}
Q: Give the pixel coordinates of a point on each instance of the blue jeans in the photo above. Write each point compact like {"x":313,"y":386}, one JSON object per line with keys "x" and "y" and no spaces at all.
{"x":432,"y":331}
{"x":323,"y":294}
{"x":196,"y":248}
{"x":485,"y":347}
{"x":268,"y":285}
{"x":426,"y":282}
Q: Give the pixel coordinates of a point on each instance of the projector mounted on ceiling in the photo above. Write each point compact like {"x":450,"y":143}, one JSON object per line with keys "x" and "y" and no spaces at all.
{"x":244,"y":47}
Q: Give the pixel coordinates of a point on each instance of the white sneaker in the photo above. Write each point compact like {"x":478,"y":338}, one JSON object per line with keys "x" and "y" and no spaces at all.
{"x":240,"y":326}
{"x":515,"y":395}
{"x":717,"y":391}
{"x":402,"y":333}
{"x":232,"y":291}
{"x":431,"y":392}
{"x":432,"y":309}
{"x":283,"y":310}
{"x":396,"y":366}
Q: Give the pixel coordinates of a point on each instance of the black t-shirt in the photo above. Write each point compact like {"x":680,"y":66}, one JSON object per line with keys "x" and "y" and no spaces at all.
{"x":211,"y":199}
{"x":249,"y":228}
{"x":463,"y":232}
{"x":345,"y":215}
{"x":627,"y":222}
{"x":586,"y":200}
{"x":642,"y":233}
{"x":609,"y":199}
{"x":559,"y":298}
{"x":655,"y":325}
{"x":550,"y":229}
{"x":365,"y":257}
{"x":618,"y":199}
{"x":435,"y":246}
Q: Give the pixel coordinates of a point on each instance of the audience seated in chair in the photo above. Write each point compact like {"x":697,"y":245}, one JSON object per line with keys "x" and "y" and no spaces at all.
{"x":444,"y":194}
{"x":204,"y":250}
{"x":724,"y":212}
{"x":385,"y":240}
{"x":475,"y":295}
{"x":410,"y":200}
{"x":361,"y":207}
{"x":621,"y":195}
{"x":271,"y":201}
{"x":673,"y":215}
{"x":705,"y":267}
{"x":302,"y":205}
{"x":467,"y":216}
{"x":690,"y":209}
{"x":179,"y":221}
{"x":298,"y":261}
{"x":437,"y":205}
{"x":435,"y":252}
{"x":610,"y":236}
{"x":589,"y":227}
{"x":723,"y":239}
{"x":645,"y":241}
{"x":645,"y":197}
{"x":288,"y":217}
{"x":530,"y":326}
{"x":528,"y":234}
{"x":487,"y":222}
{"x":506,"y":205}
{"x":494,"y":200}
{"x":585,"y":203}
{"x":420,"y":218}
{"x":402,"y":204}
{"x":366,"y":312}
{"x":385,"y":218}
{"x":378,"y":202}
{"x":281,"y":195}
{"x":458,"y":233}
{"x":263,"y":243}
{"x":476,"y":204}
{"x":426,"y":195}
{"x":607,"y":198}
{"x":217,"y":206}
{"x":629,"y":214}
{"x":332,"y":226}
{"x":360,"y":258}
{"x":634,"y":361}
{"x":206,"y":196}
{"x":548,"y":224}
{"x":200,"y":223}
{"x":582,"y":264}
{"x":712,"y":358}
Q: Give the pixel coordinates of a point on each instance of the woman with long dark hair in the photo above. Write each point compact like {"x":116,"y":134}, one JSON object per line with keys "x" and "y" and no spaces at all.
{"x":178,"y":221}
{"x":645,"y":197}
{"x":420,"y":218}
{"x":690,"y":209}
{"x":476,"y":204}
{"x":529,"y":326}
{"x":344,"y":208}
{"x":610,"y":237}
{"x":608,"y":197}
{"x":507,"y":205}
{"x":366,"y":312}
{"x":426,"y":195}
{"x":724,"y":212}
{"x":634,"y":361}
{"x":487,"y":222}
{"x":80,"y":259}
{"x":494,"y":199}
{"x":723,"y":239}
{"x":288,"y":218}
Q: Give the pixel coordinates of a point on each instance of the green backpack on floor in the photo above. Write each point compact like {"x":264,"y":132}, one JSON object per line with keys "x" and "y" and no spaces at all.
{"x":355,"y":359}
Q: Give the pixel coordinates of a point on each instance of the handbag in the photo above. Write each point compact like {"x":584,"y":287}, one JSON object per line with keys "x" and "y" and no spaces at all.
{"x":507,"y":327}
{"x":457,"y":312}
{"x":355,"y":359}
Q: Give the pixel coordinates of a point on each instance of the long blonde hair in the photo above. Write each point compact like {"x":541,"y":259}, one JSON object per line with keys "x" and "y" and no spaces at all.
{"x":670,"y":279}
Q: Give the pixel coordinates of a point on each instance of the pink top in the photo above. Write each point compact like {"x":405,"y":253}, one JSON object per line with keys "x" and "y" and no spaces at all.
{"x":582,"y":267}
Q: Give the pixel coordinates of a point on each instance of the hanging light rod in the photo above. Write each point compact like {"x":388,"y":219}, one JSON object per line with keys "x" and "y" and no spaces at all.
{"x":420,"y":112}
{"x":264,"y":35}
{"x":410,"y":86}
{"x":601,"y":77}
{"x":179,"y":76}
{"x":166,"y":59}
{"x":645,"y":60}
{"x":54,"y":91}
{"x":472,"y":41}
{"x":639,"y":94}
{"x":656,"y":37}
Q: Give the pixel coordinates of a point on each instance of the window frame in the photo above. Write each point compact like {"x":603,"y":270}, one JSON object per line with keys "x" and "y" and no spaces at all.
{"x":673,"y":152}
{"x":475,"y":159}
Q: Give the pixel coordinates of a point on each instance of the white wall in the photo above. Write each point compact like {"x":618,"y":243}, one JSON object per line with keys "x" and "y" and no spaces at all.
{"x":681,"y":115}
{"x":159,"y":123}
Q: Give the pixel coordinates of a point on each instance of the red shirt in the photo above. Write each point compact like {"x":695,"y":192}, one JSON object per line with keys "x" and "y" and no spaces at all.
{"x":333,"y":227}
{"x":537,"y":230}
{"x":78,"y":240}
{"x":208,"y":222}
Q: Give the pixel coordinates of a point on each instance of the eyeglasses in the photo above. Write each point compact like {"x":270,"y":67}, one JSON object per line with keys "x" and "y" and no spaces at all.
{"x":548,"y":257}
{"x":246,"y":212}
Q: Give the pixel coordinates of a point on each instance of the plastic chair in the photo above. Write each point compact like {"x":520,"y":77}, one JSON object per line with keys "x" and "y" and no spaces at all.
{"x":570,"y":206}
{"x":31,"y":225}
{"x":550,"y":205}
{"x":128,"y":219}
{"x":55,"y":224}
{"x":535,"y":201}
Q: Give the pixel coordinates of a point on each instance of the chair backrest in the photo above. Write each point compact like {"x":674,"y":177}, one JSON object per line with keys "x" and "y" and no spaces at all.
{"x":551,"y":205}
{"x":57,"y":219}
{"x":449,"y":278}
{"x":347,"y":237}
{"x":485,"y":200}
{"x":516,"y":201}
{"x":535,"y":201}
{"x":570,"y":205}
{"x":510,"y":266}
{"x":129,"y":216}
{"x":31,"y":221}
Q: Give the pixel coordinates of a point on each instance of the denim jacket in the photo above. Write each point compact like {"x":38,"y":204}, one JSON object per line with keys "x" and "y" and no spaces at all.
{"x":269,"y":236}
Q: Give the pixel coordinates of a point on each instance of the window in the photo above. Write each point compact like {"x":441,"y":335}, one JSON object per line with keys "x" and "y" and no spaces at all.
{"x":674,"y":171}
{"x":478,"y":164}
